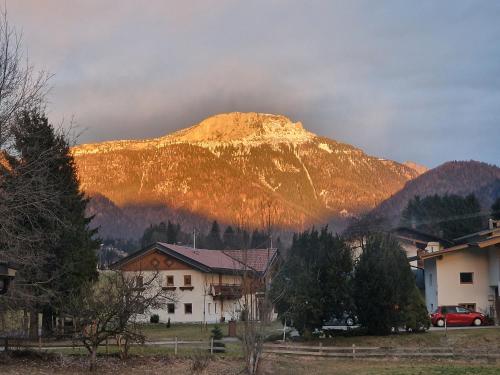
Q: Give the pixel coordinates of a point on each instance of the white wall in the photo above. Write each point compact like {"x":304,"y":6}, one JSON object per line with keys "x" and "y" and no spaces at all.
{"x":450,"y":291}
{"x":204,"y":307}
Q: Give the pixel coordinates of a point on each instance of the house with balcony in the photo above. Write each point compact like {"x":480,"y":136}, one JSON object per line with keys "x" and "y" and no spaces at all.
{"x":466,"y":273}
{"x":208,"y":284}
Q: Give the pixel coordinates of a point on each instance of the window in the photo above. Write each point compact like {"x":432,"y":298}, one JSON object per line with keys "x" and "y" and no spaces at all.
{"x":468,"y":306}
{"x":215,"y":307}
{"x":170,"y":280}
{"x":171,"y":308}
{"x":462,"y":310}
{"x":448,"y":310}
{"x":209,"y":308}
{"x":188,"y":308}
{"x":466,"y":277}
{"x":187,"y":280}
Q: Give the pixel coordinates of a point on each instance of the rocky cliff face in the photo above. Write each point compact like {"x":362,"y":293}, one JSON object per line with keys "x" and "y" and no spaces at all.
{"x":238,"y":168}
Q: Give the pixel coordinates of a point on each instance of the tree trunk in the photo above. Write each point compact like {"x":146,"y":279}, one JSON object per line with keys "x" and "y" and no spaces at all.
{"x":93,"y":359}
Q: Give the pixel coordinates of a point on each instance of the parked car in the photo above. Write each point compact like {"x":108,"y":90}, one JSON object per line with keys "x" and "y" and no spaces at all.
{"x":456,"y":316}
{"x":346,"y":319}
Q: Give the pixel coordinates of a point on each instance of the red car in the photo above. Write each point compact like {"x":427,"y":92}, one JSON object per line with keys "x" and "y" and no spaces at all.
{"x":456,"y":316}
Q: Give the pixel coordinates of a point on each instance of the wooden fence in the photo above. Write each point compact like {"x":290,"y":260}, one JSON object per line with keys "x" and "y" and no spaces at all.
{"x":211,"y":345}
{"x":374,"y":352}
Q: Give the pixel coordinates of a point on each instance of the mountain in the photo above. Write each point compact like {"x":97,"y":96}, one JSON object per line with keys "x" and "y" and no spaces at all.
{"x":456,"y":177}
{"x":420,"y":169}
{"x":238,"y":168}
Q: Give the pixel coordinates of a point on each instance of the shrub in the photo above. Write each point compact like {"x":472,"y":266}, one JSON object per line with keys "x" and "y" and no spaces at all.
{"x":199,"y":362}
{"x":217,"y":335}
{"x":155,"y":318}
{"x":415,"y":314}
{"x":168,"y":323}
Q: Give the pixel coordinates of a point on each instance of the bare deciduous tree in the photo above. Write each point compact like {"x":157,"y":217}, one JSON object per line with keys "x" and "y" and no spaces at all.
{"x":112,"y":308}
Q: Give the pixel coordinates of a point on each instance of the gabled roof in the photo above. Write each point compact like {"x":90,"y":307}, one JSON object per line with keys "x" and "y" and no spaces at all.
{"x":478,"y":243}
{"x":417,"y":236}
{"x":204,"y":260}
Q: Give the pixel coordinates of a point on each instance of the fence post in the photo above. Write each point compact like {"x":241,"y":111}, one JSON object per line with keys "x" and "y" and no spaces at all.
{"x":320,"y":348}
{"x":175,"y":346}
{"x":353,"y":351}
{"x":211,"y":345}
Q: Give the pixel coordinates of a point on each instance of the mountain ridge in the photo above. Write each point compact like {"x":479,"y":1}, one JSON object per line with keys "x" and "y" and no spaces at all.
{"x":231,"y":166}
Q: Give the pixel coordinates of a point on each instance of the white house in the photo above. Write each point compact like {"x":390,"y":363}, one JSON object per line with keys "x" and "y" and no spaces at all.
{"x":207,"y":283}
{"x":465,"y":274}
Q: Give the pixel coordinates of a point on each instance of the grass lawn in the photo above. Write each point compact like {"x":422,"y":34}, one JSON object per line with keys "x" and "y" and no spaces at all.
{"x":303,"y":366}
{"x":487,"y":338}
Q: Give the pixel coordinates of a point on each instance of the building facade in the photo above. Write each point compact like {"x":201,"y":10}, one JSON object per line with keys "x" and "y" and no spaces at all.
{"x":208,"y":285}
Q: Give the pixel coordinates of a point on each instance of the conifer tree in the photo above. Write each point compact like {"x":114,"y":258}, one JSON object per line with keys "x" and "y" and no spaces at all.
{"x":213,"y":239}
{"x":71,"y":244}
{"x":384,"y":288}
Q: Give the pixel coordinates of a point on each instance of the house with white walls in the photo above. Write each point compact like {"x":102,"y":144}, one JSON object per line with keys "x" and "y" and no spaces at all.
{"x":208,"y":284}
{"x":466,"y":273}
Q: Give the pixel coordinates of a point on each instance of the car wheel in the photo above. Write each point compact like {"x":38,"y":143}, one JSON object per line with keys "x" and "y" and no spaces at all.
{"x":440,"y":323}
{"x":349,"y":322}
{"x":477,"y":322}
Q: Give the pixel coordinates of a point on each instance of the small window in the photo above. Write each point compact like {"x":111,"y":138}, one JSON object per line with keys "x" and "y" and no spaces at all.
{"x":466,"y":277}
{"x":187,"y":280}
{"x":209,"y":308}
{"x":170,"y":280}
{"x":188,"y":308}
{"x":462,"y":310}
{"x":171,"y":308}
{"x":215,"y":307}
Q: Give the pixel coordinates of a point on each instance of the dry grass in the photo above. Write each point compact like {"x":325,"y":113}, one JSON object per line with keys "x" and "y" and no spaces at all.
{"x":318,"y":366}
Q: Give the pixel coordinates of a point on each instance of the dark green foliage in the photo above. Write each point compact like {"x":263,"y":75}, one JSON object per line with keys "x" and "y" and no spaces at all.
{"x":495,"y":209}
{"x":155,"y":319}
{"x":447,"y":216}
{"x":217,"y":335}
{"x":168,"y":233}
{"x":259,"y":240}
{"x":415,"y":315}
{"x":70,"y":244}
{"x":314,"y":282}
{"x":213,"y":239}
{"x":384,"y":286}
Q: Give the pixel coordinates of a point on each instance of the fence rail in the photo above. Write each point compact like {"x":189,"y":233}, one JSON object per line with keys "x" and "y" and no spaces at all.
{"x":214,"y":346}
{"x":370,"y":352}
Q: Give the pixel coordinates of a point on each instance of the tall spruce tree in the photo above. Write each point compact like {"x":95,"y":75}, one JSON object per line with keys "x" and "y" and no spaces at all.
{"x":71,"y":244}
{"x":213,"y":239}
{"x":384,"y":287}
{"x":314,"y":282}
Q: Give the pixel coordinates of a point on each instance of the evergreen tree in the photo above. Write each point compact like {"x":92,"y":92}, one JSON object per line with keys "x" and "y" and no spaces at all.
{"x":71,"y":243}
{"x":229,"y":238}
{"x":314,"y":282}
{"x":384,"y":287}
{"x":213,"y":239}
{"x":495,"y":210}
{"x":259,"y":240}
{"x":172,"y":233}
{"x":448,"y":216}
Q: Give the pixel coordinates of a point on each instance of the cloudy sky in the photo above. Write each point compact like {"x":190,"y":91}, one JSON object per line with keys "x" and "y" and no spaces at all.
{"x":407,"y":80}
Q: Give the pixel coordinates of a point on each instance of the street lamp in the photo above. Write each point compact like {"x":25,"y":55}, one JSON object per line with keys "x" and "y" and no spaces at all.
{"x":7,"y":274}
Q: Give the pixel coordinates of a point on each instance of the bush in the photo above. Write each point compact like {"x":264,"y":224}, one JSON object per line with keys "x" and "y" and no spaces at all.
{"x":415,"y":314}
{"x":168,"y":323}
{"x":217,"y":335}
{"x":155,"y":318}
{"x":199,"y":362}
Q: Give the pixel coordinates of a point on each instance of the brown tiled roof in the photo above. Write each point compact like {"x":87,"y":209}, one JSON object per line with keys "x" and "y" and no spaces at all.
{"x":256,"y":259}
{"x":209,"y":258}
